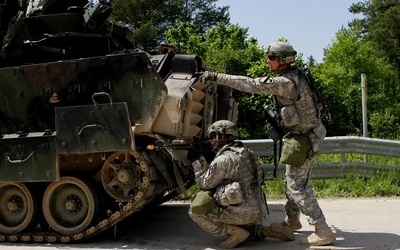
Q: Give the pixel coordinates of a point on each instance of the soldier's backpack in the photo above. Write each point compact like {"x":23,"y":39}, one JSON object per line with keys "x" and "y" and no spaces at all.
{"x":320,"y":104}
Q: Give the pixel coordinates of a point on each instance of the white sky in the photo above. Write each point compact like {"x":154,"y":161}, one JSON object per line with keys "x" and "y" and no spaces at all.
{"x":309,"y":25}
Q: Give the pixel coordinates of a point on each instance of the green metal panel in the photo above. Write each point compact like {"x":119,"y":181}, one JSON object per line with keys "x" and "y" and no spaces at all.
{"x":28,"y":158}
{"x":93,"y":128}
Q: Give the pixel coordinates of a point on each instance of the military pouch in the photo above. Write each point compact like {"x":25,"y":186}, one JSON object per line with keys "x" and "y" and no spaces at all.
{"x":290,"y":116}
{"x":296,"y":149}
{"x":229,"y":194}
{"x":202,"y":201}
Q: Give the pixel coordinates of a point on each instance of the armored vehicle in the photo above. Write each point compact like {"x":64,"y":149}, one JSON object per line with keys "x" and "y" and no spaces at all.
{"x":92,"y":129}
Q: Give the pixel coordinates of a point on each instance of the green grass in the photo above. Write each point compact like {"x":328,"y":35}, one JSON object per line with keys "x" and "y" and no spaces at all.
{"x":379,"y":160}
{"x":383,"y":182}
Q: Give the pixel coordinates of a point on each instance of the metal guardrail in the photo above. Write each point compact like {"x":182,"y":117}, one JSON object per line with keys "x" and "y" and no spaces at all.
{"x":336,"y":145}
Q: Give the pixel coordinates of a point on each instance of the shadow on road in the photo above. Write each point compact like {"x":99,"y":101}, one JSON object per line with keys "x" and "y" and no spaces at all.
{"x":169,"y":226}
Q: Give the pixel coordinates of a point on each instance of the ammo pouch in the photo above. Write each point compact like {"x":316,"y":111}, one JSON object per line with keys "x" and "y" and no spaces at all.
{"x":290,"y":116}
{"x":202,"y":202}
{"x":296,"y":149}
{"x":229,"y":194}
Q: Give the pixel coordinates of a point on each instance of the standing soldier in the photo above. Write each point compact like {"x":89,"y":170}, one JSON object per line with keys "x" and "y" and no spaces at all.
{"x":235,"y":176}
{"x":298,"y":115}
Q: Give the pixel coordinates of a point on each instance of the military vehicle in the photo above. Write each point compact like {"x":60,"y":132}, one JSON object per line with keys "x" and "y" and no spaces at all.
{"x":92,"y":128}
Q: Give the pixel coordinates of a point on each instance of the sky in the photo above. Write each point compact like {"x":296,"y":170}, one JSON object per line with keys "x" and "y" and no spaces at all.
{"x":309,"y":25}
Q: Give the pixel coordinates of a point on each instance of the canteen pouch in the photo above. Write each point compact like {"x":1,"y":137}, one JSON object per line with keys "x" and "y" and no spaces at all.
{"x":202,"y":201}
{"x":296,"y":149}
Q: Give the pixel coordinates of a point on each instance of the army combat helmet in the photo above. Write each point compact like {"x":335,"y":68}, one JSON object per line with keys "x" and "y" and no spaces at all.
{"x":225,"y":127}
{"x":284,"y":50}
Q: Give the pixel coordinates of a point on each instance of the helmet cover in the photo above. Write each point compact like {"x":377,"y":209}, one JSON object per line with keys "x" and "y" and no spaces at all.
{"x":224,"y":127}
{"x":282,"y":49}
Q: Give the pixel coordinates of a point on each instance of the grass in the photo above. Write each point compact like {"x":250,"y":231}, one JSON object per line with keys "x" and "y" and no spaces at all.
{"x":382,"y":182}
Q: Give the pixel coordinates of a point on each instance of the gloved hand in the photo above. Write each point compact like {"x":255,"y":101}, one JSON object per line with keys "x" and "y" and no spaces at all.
{"x":199,"y":165}
{"x":193,"y":155}
{"x":209,"y":76}
{"x":209,"y":156}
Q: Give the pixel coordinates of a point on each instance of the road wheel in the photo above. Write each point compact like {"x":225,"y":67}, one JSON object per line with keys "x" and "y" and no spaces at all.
{"x":69,"y":205}
{"x":17,"y":208}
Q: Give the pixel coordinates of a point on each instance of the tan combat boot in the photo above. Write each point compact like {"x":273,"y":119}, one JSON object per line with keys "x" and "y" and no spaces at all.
{"x":292,"y":223}
{"x":236,"y":235}
{"x":276,"y":230}
{"x":322,"y":236}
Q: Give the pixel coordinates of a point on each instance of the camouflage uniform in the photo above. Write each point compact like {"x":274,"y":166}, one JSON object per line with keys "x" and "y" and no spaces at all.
{"x":232,"y":163}
{"x":299,"y":115}
{"x":35,"y":7}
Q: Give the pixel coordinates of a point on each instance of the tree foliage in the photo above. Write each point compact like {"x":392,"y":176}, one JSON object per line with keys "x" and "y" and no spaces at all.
{"x":149,"y":19}
{"x":345,"y":60}
{"x":381,"y":25}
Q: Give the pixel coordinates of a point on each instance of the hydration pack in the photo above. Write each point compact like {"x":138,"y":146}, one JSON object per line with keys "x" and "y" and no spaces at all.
{"x":316,"y":93}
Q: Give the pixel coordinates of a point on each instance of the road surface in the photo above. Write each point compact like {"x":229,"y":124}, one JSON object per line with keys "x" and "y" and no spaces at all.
{"x":361,"y":223}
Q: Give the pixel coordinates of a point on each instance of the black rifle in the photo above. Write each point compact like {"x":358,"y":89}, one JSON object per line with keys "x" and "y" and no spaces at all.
{"x":276,"y":134}
{"x":198,"y":146}
{"x":273,"y":130}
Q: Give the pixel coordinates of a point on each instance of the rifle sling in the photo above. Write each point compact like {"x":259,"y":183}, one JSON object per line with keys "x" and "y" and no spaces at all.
{"x":277,"y":157}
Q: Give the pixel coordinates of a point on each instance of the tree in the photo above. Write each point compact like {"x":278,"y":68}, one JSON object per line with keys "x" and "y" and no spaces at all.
{"x":184,"y":37}
{"x":311,"y":62}
{"x":381,"y":25}
{"x":349,"y":56}
{"x":204,"y":14}
{"x":149,"y":19}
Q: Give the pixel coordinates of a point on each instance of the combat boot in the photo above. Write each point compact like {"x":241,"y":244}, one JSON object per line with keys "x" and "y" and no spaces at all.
{"x":236,"y":236}
{"x":292,"y":222}
{"x":322,"y":236}
{"x":276,"y":230}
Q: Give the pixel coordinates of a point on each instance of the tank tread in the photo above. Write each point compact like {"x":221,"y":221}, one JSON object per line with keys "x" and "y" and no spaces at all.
{"x":45,"y":237}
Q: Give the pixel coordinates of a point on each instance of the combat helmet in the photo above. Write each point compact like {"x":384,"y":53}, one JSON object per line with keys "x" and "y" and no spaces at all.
{"x":282,"y":49}
{"x":224,"y":127}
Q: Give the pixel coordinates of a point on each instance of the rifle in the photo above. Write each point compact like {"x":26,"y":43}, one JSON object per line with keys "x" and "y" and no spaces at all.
{"x":275,"y":132}
{"x":198,"y":146}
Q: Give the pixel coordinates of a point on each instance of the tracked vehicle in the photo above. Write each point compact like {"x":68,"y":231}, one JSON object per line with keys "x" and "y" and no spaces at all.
{"x":92,"y":129}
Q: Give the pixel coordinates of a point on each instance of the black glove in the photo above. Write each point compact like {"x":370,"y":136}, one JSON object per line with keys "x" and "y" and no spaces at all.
{"x":209,"y":76}
{"x":209,"y":156}
{"x":193,"y":155}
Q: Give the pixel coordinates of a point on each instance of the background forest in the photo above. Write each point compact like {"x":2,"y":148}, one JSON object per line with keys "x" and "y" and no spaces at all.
{"x":369,"y":45}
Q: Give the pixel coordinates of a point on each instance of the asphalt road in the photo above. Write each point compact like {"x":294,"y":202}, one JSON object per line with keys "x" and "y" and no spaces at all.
{"x":372,"y":223}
